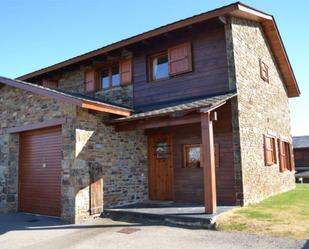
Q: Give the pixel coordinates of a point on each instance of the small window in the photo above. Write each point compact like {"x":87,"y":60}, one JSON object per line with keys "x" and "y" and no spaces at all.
{"x":264,"y":71}
{"x":192,"y":156}
{"x":270,"y":150}
{"x":159,"y":66}
{"x":162,"y":150}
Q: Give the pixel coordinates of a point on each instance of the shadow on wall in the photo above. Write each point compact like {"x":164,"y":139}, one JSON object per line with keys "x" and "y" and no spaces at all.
{"x":109,"y":169}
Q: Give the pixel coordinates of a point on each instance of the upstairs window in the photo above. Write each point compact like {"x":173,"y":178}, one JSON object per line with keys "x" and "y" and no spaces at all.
{"x":110,"y":77}
{"x":176,"y":60}
{"x":159,"y":64}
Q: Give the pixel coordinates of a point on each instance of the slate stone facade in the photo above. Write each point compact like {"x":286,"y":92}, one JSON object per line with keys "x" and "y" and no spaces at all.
{"x":261,"y":108}
{"x":74,"y":82}
{"x":86,"y":141}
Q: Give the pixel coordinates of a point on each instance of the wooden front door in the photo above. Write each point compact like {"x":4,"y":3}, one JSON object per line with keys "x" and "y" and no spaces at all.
{"x":40,"y":171}
{"x":160,"y":151}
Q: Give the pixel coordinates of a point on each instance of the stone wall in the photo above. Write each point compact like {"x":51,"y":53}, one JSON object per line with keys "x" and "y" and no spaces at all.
{"x":86,"y":142}
{"x":261,"y":108}
{"x":74,"y":82}
{"x":18,"y":108}
{"x":122,"y":156}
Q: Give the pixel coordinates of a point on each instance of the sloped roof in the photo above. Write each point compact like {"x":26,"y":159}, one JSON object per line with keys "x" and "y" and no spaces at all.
{"x":304,"y":174}
{"x":72,"y":98}
{"x":300,"y":142}
{"x":189,"y":105}
{"x":237,"y":9}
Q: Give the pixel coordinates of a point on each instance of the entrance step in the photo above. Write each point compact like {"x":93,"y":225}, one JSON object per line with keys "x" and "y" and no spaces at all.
{"x":190,"y":215}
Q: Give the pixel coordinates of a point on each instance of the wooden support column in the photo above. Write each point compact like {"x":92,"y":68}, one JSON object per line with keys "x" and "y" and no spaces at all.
{"x":208,"y":161}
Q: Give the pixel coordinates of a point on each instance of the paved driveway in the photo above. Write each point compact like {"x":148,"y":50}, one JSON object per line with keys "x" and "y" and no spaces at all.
{"x":39,"y":232}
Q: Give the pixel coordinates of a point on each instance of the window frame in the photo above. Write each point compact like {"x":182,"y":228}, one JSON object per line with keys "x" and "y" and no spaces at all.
{"x":150,"y":60}
{"x":110,"y":68}
{"x":186,"y":148}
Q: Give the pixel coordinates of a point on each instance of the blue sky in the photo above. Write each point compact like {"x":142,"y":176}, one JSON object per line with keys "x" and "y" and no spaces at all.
{"x":36,"y":34}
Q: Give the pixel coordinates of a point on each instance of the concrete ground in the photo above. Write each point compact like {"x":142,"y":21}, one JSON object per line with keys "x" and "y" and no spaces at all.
{"x":40,"y":232}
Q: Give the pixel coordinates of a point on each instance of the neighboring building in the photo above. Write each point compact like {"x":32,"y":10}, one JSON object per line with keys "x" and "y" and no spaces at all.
{"x":301,"y":155}
{"x":194,"y":111}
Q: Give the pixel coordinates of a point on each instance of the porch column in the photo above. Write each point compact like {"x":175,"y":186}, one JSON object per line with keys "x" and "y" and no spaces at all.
{"x":208,"y":161}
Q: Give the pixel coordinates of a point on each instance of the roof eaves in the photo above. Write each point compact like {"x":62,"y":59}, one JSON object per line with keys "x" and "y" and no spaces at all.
{"x":66,"y":97}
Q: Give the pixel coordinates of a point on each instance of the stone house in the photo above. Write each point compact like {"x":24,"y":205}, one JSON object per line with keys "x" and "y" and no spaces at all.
{"x":193,"y":111}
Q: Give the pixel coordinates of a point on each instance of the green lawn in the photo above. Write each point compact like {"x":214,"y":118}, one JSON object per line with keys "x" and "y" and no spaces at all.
{"x":285,"y":214}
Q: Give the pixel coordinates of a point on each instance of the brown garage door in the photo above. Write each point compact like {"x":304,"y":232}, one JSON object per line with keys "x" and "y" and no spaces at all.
{"x":40,"y":171}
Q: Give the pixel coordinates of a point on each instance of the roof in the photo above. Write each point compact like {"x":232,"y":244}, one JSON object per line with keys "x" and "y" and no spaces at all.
{"x":304,"y":174}
{"x":237,"y":9}
{"x":301,"y":142}
{"x":72,"y":98}
{"x":189,"y":105}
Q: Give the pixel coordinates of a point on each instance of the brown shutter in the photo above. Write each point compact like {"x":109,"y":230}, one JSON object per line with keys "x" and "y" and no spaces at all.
{"x":217,"y":155}
{"x":50,"y":84}
{"x":125,"y":72}
{"x":292,"y":158}
{"x":269,"y":151}
{"x":180,"y":59}
{"x":282,"y":154}
{"x":90,"y":81}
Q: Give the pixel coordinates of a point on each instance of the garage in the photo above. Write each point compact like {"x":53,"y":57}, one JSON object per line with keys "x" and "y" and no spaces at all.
{"x":40,"y":171}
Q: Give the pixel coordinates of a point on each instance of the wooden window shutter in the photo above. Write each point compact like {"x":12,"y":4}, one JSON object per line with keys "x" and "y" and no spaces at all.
{"x":217,"y":155}
{"x":50,"y":84}
{"x":282,"y":154}
{"x":125,"y":72}
{"x":269,"y":151}
{"x":180,"y":59}
{"x":292,"y":160}
{"x":90,"y":84}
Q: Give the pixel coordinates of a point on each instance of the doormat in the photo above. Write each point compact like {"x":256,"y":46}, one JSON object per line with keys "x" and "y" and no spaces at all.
{"x":129,"y":230}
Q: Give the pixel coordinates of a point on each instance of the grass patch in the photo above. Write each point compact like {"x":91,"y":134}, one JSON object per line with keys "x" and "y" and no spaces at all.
{"x":286,"y":214}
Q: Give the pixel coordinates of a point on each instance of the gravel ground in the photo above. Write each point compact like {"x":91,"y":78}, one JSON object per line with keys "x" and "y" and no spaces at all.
{"x":39,"y":232}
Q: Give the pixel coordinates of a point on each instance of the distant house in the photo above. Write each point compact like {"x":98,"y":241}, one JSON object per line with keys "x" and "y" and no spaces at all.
{"x":301,"y":155}
{"x":194,"y":111}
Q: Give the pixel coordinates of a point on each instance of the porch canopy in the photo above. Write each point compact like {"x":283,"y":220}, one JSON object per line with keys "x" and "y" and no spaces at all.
{"x":186,"y":112}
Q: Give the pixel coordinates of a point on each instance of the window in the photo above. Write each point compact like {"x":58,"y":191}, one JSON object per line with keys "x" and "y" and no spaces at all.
{"x":270,"y":150}
{"x":264,"y":71}
{"x":162,"y":150}
{"x":192,"y":156}
{"x":176,"y":60}
{"x":115,"y":75}
{"x":286,"y":156}
{"x":159,"y":66}
{"x":105,"y":78}
{"x":110,"y":76}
